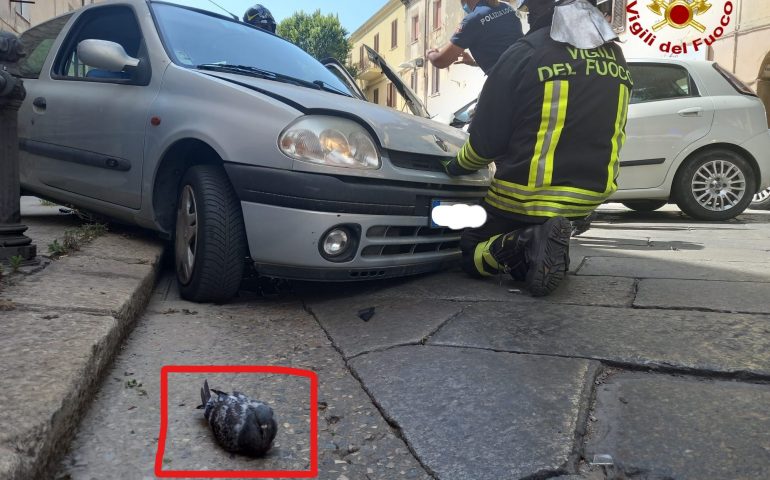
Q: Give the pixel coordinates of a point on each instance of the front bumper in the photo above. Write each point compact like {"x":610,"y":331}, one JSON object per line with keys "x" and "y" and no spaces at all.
{"x":286,"y":214}
{"x":284,"y":243}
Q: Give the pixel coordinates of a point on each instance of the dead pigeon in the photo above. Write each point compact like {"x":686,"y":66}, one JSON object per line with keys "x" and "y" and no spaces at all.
{"x":240,"y":424}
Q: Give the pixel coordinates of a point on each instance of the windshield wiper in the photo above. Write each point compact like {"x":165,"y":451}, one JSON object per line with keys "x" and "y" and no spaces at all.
{"x":268,"y":75}
{"x":326,"y":87}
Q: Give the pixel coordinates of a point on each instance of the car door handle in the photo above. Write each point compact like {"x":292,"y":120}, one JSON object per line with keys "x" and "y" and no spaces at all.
{"x":691,"y":112}
{"x":40,"y":103}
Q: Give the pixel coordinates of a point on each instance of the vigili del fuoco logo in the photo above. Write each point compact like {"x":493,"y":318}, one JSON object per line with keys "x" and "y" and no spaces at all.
{"x":679,"y":26}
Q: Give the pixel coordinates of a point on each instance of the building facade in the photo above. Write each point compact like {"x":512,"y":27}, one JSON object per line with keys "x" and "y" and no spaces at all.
{"x":386,"y":34}
{"x":745,"y":50}
{"x":402,"y":31}
{"x":18,"y":16}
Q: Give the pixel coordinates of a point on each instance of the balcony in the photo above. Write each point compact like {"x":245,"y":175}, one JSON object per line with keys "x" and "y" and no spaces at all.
{"x":368,"y":71}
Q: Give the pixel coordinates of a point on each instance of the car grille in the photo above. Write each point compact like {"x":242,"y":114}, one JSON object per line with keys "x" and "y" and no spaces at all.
{"x":388,"y":241}
{"x":415,"y":161}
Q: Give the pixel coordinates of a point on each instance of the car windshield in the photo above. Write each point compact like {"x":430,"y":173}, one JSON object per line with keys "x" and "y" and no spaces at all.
{"x":195,"y":38}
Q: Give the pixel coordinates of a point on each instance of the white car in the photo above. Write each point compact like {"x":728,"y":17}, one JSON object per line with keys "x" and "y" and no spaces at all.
{"x":696,"y":136}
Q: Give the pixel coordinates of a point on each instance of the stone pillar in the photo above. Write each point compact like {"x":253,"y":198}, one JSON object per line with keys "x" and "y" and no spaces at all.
{"x":13,"y":242}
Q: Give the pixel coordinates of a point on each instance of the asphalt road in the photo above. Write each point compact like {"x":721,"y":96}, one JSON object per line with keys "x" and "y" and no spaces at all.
{"x":655,"y":354}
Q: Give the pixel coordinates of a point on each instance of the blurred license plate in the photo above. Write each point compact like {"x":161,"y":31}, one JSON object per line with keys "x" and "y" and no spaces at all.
{"x":441,"y":203}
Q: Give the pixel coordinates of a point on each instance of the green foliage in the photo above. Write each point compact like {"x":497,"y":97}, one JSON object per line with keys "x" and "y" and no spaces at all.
{"x":76,"y":238}
{"x":319,"y":35}
{"x":56,"y":248}
{"x":16,"y":262}
{"x":47,"y":203}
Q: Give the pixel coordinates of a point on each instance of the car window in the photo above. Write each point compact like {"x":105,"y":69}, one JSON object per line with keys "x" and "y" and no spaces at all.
{"x":661,"y":82}
{"x":38,"y":42}
{"x":114,"y":24}
{"x":194,"y":38}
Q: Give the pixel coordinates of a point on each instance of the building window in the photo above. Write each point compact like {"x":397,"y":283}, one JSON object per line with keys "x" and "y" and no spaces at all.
{"x":394,"y":34}
{"x":413,"y":81}
{"x":435,"y":85}
{"x":436,"y":14}
{"x":23,"y":10}
{"x":415,"y":28}
{"x":376,"y":96}
{"x":391,"y":95}
{"x":377,"y":43}
{"x":362,"y":57}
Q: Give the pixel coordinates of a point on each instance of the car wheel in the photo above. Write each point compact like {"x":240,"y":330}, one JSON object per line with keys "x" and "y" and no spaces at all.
{"x":210,"y":247}
{"x":645,"y":205}
{"x":762,"y":200}
{"x":714,"y":185}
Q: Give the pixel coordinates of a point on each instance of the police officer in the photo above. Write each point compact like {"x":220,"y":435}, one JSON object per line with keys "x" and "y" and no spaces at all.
{"x":488,"y":29}
{"x":260,"y":17}
{"x":552,"y":116}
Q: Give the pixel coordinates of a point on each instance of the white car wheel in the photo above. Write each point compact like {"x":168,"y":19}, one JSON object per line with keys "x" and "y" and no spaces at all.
{"x":762,"y":200}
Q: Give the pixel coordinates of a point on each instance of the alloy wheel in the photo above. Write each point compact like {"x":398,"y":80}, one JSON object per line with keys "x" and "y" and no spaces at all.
{"x":719,"y":185}
{"x":186,"y":235}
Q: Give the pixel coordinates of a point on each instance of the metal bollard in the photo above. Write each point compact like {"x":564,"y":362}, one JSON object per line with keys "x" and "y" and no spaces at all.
{"x":13,"y":242}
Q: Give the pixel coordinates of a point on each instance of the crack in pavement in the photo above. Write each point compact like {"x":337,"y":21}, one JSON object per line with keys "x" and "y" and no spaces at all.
{"x":395,"y":427}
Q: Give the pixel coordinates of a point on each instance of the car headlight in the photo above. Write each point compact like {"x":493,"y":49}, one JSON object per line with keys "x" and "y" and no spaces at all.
{"x":332,"y":141}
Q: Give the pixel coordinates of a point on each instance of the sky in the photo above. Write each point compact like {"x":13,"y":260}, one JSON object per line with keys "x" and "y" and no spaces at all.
{"x":352,"y":13}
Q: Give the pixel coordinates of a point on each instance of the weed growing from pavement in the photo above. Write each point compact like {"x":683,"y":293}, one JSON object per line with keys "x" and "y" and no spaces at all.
{"x":74,"y":239}
{"x":46,"y":203}
{"x":16,"y":262}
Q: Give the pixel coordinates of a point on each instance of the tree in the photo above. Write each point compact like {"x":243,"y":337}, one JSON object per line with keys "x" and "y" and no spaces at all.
{"x":319,"y":35}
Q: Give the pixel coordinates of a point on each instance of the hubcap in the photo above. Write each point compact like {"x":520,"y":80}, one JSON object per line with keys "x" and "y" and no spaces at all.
{"x":762,"y":196}
{"x":186,"y":235}
{"x":719,"y":185}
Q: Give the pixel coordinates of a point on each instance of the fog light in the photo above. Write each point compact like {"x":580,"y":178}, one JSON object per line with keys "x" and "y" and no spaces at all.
{"x":336,"y":242}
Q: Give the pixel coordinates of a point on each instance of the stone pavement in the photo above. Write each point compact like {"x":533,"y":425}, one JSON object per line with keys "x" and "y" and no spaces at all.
{"x":653,"y":359}
{"x":61,"y":325}
{"x":656,"y":353}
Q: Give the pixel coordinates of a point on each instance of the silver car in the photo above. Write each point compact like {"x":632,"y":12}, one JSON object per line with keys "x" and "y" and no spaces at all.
{"x":236,"y":145}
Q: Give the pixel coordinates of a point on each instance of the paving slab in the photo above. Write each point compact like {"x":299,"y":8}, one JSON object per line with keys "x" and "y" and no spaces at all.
{"x":698,"y":341}
{"x":738,"y":297}
{"x":86,"y":284}
{"x":118,"y":436}
{"x":125,"y":247}
{"x":476,"y":415}
{"x":683,"y":269}
{"x":660,"y":427}
{"x":50,"y":360}
{"x":395,"y":321}
{"x":599,"y":291}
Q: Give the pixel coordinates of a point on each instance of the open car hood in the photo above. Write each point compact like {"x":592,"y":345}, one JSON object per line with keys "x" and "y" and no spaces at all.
{"x":414,"y":103}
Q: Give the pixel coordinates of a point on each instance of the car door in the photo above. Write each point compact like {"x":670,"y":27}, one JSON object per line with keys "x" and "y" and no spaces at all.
{"x":86,"y":126}
{"x":667,"y":114}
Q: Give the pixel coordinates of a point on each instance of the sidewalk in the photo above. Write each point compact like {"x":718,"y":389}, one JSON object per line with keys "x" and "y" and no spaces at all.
{"x":61,"y":324}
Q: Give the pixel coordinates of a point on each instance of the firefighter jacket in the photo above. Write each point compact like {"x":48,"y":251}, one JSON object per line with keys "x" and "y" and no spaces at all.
{"x":552,"y":118}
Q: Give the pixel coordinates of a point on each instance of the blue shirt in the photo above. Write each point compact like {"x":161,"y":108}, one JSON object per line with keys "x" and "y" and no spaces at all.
{"x":488,"y":32}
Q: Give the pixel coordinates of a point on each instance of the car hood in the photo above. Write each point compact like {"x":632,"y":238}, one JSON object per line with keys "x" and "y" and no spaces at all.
{"x":395,"y":130}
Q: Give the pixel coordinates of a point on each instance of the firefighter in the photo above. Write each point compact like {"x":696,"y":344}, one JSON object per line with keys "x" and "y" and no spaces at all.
{"x":552,"y":116}
{"x":260,"y":17}
{"x":489,"y":28}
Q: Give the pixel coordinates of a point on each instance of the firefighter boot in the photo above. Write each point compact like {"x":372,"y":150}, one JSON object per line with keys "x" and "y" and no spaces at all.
{"x":547,"y":256}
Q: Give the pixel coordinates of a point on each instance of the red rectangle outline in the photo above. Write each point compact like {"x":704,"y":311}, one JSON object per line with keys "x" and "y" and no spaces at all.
{"x":312,"y":473}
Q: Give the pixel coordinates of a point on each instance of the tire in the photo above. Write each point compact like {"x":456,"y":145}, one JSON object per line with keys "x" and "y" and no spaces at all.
{"x":761,"y":200}
{"x":645,"y":205}
{"x":210,"y":246}
{"x":714,"y":185}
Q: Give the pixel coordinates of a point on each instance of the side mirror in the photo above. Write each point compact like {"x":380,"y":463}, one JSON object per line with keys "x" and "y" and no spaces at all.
{"x":104,"y":55}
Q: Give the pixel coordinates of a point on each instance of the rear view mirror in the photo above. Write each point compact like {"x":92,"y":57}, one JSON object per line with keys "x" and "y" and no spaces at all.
{"x":105,"y":55}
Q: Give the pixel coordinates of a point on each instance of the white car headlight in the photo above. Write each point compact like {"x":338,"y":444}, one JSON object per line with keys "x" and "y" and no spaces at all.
{"x":332,"y":141}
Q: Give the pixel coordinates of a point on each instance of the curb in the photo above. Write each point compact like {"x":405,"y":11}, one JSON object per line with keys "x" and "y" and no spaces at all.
{"x":57,"y":345}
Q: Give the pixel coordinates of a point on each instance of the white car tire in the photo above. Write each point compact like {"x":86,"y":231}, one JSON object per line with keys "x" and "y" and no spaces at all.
{"x":714,"y":185}
{"x":210,"y":247}
{"x":644,"y":206}
{"x":761,"y":200}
